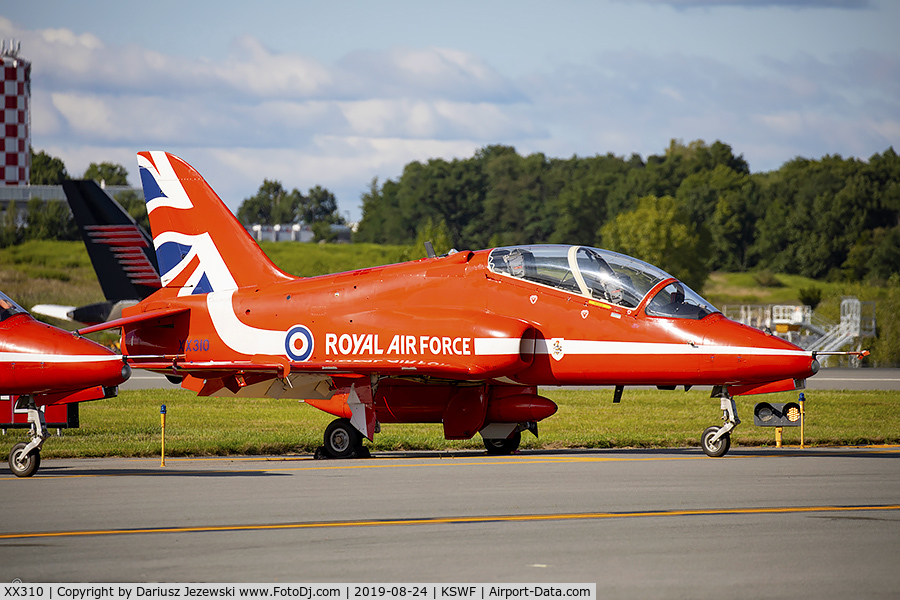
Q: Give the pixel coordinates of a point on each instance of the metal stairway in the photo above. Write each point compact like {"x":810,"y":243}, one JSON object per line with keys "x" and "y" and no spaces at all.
{"x":809,"y":330}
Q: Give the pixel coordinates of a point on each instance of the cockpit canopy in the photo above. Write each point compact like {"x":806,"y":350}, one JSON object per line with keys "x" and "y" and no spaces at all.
{"x":601,"y":275}
{"x":8,"y":308}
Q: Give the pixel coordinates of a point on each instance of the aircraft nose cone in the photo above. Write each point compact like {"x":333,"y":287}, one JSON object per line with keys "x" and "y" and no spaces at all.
{"x":759,"y":356}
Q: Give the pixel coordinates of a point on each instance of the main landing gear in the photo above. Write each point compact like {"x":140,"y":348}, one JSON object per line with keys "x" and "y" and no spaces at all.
{"x":716,"y":441}
{"x":503,"y":445}
{"x":509,"y":444}
{"x":342,"y":440}
{"x":24,"y":459}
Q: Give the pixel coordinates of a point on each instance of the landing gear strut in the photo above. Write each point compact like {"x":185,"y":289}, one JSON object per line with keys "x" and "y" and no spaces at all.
{"x":716,"y":441}
{"x":24,"y":459}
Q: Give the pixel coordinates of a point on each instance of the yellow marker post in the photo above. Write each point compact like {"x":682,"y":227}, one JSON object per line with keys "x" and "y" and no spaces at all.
{"x":802,"y":420}
{"x":778,"y":431}
{"x":162,"y":419}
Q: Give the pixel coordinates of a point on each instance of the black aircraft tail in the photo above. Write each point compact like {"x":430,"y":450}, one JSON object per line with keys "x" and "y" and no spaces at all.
{"x":121,"y":251}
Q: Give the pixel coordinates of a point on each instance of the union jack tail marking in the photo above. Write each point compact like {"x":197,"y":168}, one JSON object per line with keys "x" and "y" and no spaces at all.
{"x":201,"y":247}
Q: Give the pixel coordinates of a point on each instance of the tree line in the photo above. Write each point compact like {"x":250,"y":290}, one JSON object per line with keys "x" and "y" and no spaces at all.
{"x":274,"y":205}
{"x":693,"y":209}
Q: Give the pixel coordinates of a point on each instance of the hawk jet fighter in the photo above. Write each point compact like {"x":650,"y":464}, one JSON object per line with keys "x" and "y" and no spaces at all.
{"x":463,"y":339}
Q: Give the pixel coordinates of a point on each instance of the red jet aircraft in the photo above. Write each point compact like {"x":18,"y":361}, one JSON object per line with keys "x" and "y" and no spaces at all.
{"x":463,"y":339}
{"x":41,"y":365}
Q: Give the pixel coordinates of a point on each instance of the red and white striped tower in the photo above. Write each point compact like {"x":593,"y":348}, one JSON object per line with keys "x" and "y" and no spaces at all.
{"x":15,"y":156}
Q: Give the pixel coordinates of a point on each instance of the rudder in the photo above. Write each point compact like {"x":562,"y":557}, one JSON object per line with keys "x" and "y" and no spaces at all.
{"x":200,"y":246}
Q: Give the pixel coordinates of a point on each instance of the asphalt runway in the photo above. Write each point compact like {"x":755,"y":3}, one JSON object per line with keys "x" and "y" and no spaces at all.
{"x":759,"y":523}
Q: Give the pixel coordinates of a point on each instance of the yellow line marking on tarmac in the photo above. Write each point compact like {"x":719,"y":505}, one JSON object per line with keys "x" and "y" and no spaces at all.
{"x":457,"y":520}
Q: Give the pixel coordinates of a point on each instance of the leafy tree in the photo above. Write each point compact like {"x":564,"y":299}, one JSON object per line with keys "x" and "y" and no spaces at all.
{"x":375,"y":226}
{"x":513,"y":203}
{"x":885,"y":260}
{"x":320,"y":206}
{"x":271,"y":205}
{"x":10,"y":232}
{"x":322,"y":232}
{"x":46,"y":169}
{"x":49,"y":220}
{"x":436,"y":233}
{"x":660,"y":232}
{"x":133,"y":202}
{"x":811,"y":296}
{"x":724,"y":202}
{"x":107,"y":172}
{"x":814,"y":217}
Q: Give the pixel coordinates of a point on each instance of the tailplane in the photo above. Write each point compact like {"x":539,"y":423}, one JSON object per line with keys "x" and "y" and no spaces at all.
{"x":200,"y":245}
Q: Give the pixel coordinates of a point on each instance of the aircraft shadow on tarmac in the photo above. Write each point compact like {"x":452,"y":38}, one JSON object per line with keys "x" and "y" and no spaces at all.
{"x":612,"y":453}
{"x":50,"y":472}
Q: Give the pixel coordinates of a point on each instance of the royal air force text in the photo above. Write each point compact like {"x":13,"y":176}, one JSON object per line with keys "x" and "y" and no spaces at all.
{"x":400,"y":345}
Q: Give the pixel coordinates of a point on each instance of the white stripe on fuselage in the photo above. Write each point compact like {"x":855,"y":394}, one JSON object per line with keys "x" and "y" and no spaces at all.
{"x":506,"y":346}
{"x":26,"y":357}
{"x":237,"y":335}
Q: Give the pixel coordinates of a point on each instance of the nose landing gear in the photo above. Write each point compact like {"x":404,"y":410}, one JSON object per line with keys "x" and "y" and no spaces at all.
{"x":716,"y":441}
{"x":24,"y":459}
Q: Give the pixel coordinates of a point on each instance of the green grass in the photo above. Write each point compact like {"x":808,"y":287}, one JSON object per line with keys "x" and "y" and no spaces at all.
{"x":130,"y":424}
{"x":309,"y":260}
{"x":744,"y":288}
{"x":49,"y":272}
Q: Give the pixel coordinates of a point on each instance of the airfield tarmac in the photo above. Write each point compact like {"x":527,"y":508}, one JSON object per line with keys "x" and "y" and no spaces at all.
{"x":822,"y":523}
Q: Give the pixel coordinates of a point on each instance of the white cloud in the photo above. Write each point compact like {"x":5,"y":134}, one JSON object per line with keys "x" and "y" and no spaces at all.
{"x":64,"y":37}
{"x":805,"y":105}
{"x":261,"y":113}
{"x":257,"y":71}
{"x":842,"y":4}
{"x":401,"y":72}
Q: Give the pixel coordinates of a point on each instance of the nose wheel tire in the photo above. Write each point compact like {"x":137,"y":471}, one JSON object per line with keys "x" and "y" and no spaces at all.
{"x":503,"y":445}
{"x":341,"y":438}
{"x":23,"y":465}
{"x":715,"y":448}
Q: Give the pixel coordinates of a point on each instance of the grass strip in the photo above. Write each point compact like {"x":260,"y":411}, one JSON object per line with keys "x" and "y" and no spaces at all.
{"x":130,"y":424}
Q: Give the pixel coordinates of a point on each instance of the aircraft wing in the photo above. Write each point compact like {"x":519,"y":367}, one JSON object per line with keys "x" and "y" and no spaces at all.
{"x":139,"y":318}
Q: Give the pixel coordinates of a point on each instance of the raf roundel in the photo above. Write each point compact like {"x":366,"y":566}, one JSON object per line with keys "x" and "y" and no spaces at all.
{"x":299,"y":343}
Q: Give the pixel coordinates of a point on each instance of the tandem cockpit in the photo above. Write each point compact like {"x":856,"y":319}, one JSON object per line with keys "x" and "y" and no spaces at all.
{"x":603,"y":276}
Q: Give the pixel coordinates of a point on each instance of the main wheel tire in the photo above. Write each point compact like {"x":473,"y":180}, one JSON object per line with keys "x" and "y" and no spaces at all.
{"x":717,"y":448}
{"x":29,"y":465}
{"x":503,"y":445}
{"x":341,"y":438}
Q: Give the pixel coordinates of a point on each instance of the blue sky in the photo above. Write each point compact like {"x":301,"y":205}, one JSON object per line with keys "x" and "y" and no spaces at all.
{"x":336,"y":93}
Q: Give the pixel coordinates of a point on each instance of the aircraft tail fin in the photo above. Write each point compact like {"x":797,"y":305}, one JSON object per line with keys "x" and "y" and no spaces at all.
{"x":120,"y":250}
{"x":200,"y":244}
